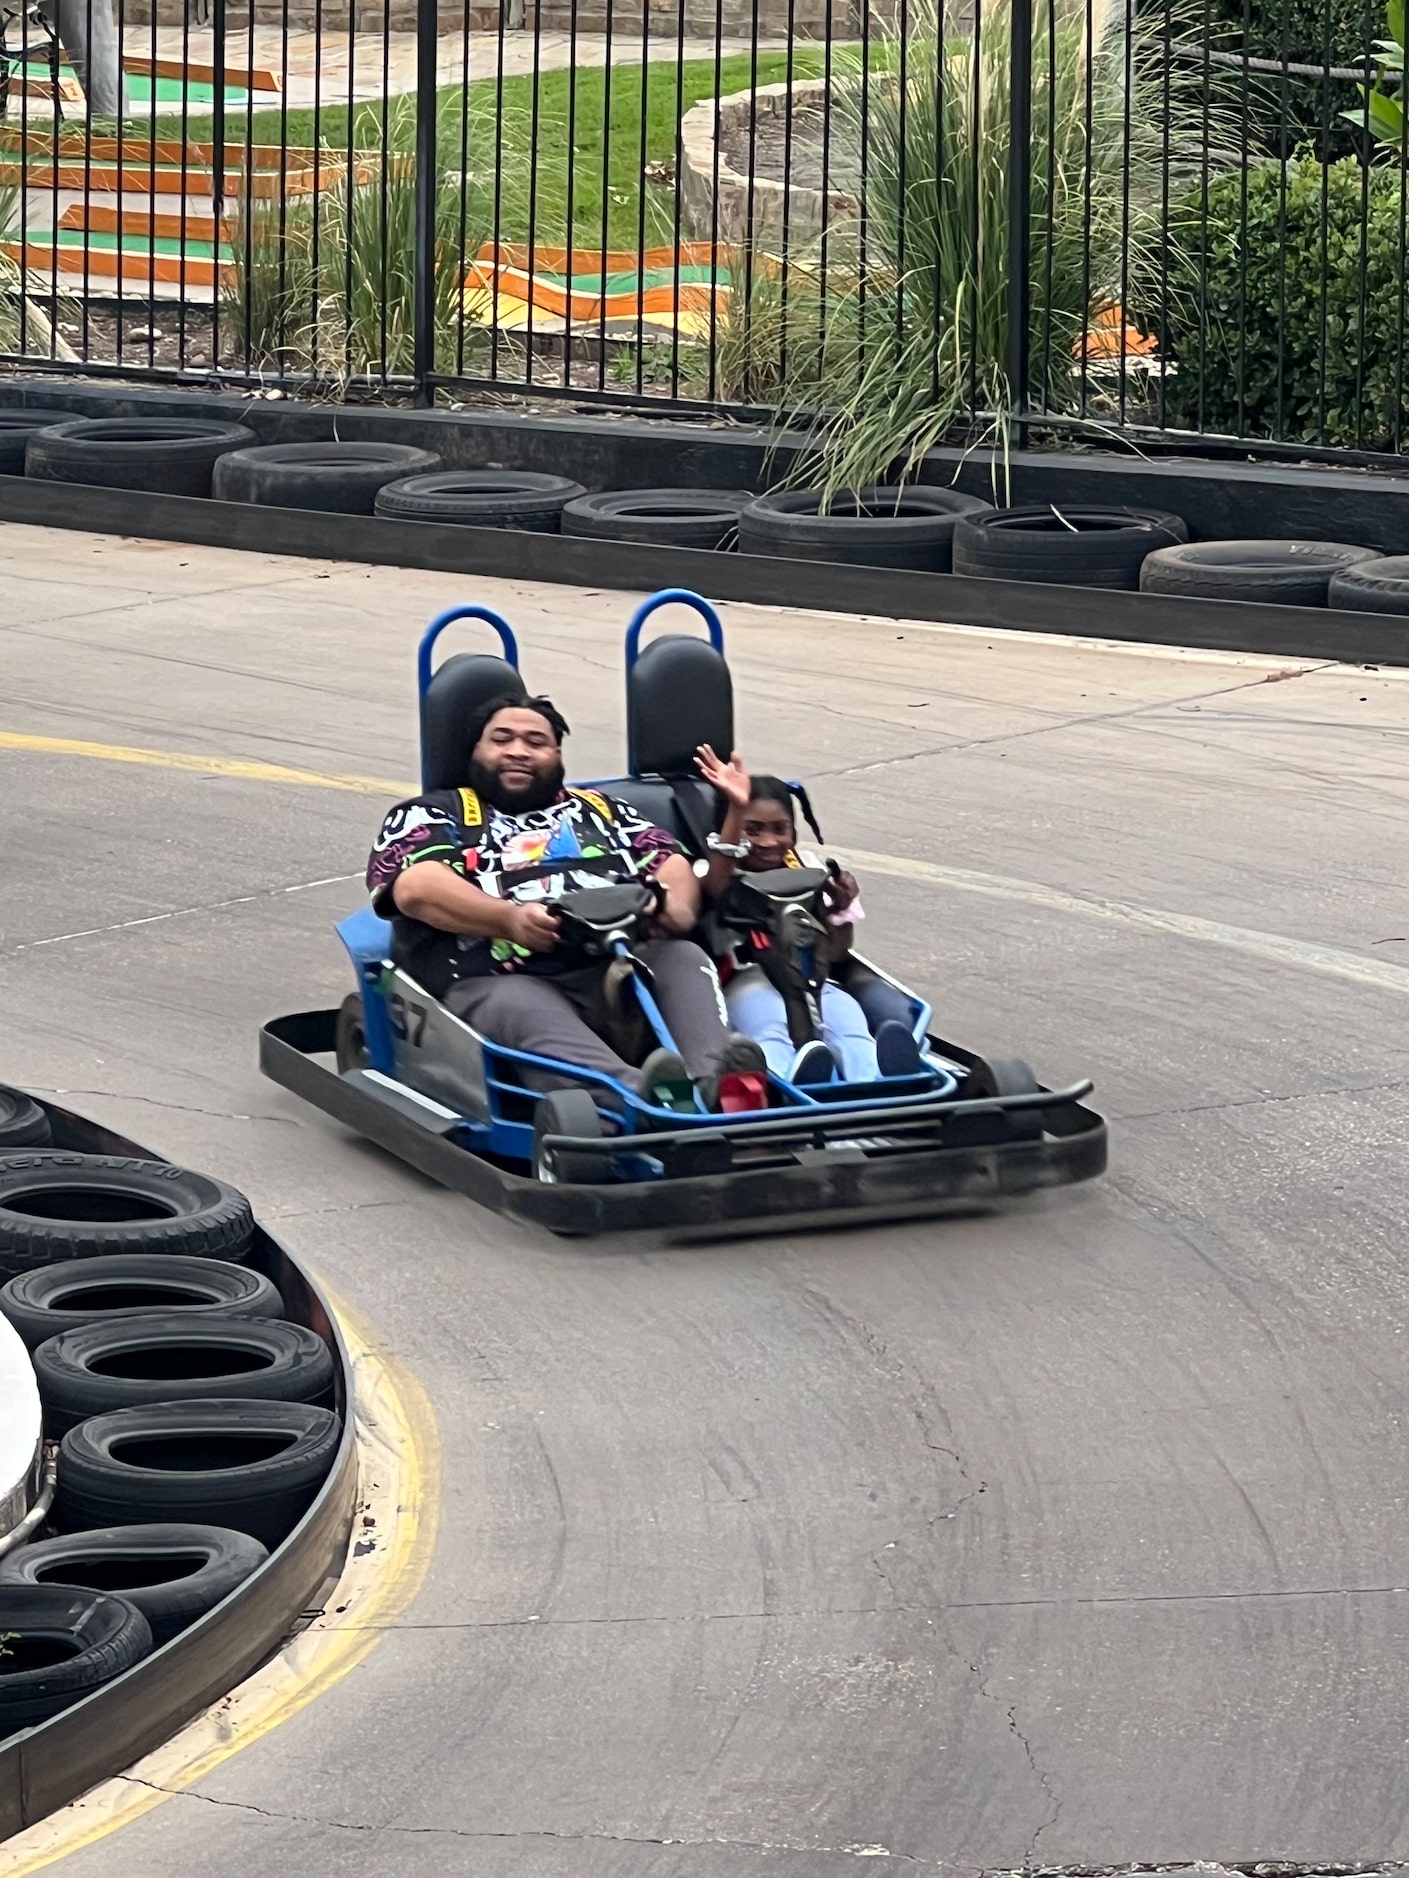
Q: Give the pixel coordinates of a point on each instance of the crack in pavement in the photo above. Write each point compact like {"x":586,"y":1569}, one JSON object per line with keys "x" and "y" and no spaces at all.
{"x":1262,"y":1101}
{"x":855,"y":1850}
{"x":1075,"y":721}
{"x":1127,"y":1601}
{"x":180,"y":912}
{"x":157,"y":1102}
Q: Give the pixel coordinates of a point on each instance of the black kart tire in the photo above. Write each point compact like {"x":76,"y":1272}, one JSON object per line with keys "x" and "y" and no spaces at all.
{"x":1380,"y":586}
{"x":169,"y":456}
{"x":480,"y":499}
{"x":57,"y":1205}
{"x":350,"y":1037}
{"x":1007,"y":1076}
{"x":1288,"y":573}
{"x":100,"y":1368}
{"x":1075,"y":545}
{"x":171,"y":1573}
{"x":255,"y":1466}
{"x":61,"y":1645}
{"x":567,"y":1112}
{"x":16,"y":429}
{"x":23,"y":1124}
{"x":51,"y":1299}
{"x":913,"y":526}
{"x":337,"y":478}
{"x":676,"y":518}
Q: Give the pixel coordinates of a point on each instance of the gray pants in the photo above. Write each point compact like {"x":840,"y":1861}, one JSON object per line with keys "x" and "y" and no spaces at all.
{"x":88,"y":33}
{"x":564,"y":1016}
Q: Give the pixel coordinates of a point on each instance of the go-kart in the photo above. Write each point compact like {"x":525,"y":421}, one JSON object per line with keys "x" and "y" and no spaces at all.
{"x":595,"y":1155}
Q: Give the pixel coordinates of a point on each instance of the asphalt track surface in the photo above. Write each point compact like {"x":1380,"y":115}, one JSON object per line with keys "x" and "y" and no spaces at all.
{"x":1071,"y":1536}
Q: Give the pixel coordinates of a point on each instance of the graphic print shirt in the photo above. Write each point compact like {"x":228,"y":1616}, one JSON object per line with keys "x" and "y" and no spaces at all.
{"x":585,"y":839}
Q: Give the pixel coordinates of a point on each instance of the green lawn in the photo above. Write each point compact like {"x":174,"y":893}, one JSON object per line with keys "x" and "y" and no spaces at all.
{"x":596,"y":114}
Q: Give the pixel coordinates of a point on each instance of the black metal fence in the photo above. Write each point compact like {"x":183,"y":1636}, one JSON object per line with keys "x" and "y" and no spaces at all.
{"x":924,"y":218}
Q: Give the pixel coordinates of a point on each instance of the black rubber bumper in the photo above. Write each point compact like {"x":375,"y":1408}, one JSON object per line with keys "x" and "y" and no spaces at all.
{"x":832,"y":1186}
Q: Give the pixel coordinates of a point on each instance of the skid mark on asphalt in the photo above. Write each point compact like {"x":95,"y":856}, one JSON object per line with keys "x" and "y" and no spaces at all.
{"x":1269,"y":948}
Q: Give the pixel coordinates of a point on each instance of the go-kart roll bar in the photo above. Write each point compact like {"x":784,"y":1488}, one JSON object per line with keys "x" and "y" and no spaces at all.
{"x":672,"y":596}
{"x":438,"y":625}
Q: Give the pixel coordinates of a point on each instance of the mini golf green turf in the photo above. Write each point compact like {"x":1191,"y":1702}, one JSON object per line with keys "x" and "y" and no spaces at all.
{"x":139,"y":245}
{"x":194,"y":91}
{"x":630,"y":281}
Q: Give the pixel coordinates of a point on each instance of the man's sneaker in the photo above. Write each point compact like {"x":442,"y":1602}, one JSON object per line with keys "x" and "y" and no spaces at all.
{"x":897,"y":1053}
{"x":741,"y":1081}
{"x":664,"y":1082}
{"x":813,"y":1063}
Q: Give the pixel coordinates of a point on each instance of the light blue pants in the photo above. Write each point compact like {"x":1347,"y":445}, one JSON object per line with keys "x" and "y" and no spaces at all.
{"x":757,"y":1009}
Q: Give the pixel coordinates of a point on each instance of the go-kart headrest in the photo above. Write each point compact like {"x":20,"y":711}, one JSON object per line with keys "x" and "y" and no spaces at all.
{"x":460,"y":687}
{"x":678,"y":696}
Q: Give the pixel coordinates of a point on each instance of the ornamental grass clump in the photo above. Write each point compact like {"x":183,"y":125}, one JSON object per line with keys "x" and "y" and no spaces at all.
{"x":1120,"y":124}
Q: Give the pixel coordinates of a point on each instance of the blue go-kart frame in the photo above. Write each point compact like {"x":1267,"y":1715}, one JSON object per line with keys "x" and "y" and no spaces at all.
{"x":428,"y":1087}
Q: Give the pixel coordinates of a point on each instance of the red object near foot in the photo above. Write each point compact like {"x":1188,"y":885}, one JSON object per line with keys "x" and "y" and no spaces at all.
{"x":743,"y":1089}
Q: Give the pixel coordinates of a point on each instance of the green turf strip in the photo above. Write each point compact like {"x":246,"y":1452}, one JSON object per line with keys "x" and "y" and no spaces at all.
{"x":138,"y":245}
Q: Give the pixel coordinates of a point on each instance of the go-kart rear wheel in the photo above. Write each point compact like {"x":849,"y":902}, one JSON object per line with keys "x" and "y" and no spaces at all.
{"x":567,"y":1112}
{"x":351,"y":1035}
{"x":1007,"y":1076}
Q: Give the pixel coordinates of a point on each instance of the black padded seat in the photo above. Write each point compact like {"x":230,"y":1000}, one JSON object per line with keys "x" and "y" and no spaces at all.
{"x":459,"y":688}
{"x":678,"y":695}
{"x":654,"y":798}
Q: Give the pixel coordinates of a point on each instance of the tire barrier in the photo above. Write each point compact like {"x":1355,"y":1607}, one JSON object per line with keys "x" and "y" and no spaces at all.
{"x":172,"y":1573}
{"x":23,"y":1124}
{"x":53,"y":1298}
{"x":206,"y":1473}
{"x":16,"y":429}
{"x":169,"y":456}
{"x":677,"y":518}
{"x":99,"y":1368}
{"x":339,"y":478}
{"x":914,"y":526}
{"x":57,"y":1205}
{"x":252,"y":1465}
{"x":1379,"y":586}
{"x":1295,"y":573}
{"x":1080,"y":546}
{"x":60,"y":1645}
{"x":480,"y":499}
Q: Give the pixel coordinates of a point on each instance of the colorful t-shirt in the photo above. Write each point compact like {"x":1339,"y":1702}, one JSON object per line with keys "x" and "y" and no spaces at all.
{"x":583,"y":840}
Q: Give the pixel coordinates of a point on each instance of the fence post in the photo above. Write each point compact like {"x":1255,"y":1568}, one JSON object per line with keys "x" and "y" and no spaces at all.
{"x":427,"y":190}
{"x":1019,"y":351}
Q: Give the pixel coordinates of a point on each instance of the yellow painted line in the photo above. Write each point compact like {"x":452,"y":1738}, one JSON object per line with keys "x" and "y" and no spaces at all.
{"x":1272,"y":948}
{"x":239,"y":768}
{"x":399,"y":1474}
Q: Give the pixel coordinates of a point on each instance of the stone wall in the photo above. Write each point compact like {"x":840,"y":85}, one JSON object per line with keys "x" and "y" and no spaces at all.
{"x":751,"y":212}
{"x":810,"y":19}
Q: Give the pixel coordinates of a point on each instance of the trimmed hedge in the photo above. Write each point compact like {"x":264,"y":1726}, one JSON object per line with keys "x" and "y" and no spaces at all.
{"x":1289,"y":319}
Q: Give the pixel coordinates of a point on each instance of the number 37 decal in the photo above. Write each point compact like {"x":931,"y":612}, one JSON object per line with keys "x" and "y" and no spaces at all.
{"x":408,"y":1021}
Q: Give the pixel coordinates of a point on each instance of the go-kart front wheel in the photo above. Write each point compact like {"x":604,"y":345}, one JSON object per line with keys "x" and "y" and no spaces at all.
{"x":351,"y":1035}
{"x":567,"y":1112}
{"x":1007,"y":1076}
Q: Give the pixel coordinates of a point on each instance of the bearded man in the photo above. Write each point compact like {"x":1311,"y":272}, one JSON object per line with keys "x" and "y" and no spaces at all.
{"x":468,"y":878}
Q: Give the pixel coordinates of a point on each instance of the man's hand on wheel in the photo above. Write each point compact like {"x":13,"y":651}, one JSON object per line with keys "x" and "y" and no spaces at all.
{"x":535,"y":928}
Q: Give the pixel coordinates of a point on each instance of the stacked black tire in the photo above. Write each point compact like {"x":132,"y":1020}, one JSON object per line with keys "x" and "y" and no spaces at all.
{"x":195,"y":1422}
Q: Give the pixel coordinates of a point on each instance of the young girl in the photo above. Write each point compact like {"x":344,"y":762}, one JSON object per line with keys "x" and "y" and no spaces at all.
{"x":758,"y":816}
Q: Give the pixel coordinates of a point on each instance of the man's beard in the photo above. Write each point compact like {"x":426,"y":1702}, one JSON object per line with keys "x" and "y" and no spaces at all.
{"x":540,"y":794}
